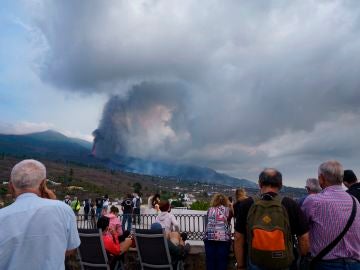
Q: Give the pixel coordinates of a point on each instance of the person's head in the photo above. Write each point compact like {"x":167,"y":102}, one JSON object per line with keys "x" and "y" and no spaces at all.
{"x":103,"y":223}
{"x":114,"y":210}
{"x":312,"y":186}
{"x":240,"y":194}
{"x":349,"y":178}
{"x":219,"y":199}
{"x":155,"y":199}
{"x":106,"y":196}
{"x":164,"y":206}
{"x":270,"y":178}
{"x":28,"y":175}
{"x":128,"y":195}
{"x":330,"y":173}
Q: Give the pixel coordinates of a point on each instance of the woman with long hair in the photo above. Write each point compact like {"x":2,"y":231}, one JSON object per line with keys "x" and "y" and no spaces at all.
{"x":218,"y":235}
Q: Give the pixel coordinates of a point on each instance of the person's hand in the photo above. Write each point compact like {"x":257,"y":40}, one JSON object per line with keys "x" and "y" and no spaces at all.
{"x":46,"y":193}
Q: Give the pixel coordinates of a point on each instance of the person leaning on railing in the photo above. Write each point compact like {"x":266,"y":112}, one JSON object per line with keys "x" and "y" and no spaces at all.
{"x":218,"y":235}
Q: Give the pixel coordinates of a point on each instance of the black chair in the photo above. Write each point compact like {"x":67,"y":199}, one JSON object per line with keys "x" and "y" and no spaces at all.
{"x":153,"y":250}
{"x":92,"y":252}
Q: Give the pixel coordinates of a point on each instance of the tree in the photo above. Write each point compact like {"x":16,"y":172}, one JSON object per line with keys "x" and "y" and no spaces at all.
{"x":200,"y":205}
{"x":71,"y":174}
{"x":137,"y":188}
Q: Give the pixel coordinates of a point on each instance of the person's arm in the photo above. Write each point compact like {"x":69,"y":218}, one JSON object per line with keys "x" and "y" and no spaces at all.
{"x":70,"y":252}
{"x":304,"y":244}
{"x":46,"y":192}
{"x":239,"y":250}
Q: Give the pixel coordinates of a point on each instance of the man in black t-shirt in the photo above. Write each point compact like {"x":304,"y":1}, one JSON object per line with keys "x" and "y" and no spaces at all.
{"x":270,"y":183}
{"x":127,"y":207}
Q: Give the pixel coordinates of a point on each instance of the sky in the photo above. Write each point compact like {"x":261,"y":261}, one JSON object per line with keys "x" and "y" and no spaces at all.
{"x":232,"y":85}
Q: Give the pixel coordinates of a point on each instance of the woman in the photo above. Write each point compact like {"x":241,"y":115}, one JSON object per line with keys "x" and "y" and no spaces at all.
{"x":240,"y":195}
{"x":218,"y":235}
{"x":153,"y":204}
{"x":111,"y":238}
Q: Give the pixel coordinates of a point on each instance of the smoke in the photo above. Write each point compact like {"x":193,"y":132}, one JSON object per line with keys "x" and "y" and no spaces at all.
{"x":150,"y":121}
{"x":224,"y":84}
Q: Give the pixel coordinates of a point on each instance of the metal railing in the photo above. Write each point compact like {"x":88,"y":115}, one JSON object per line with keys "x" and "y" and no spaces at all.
{"x":193,"y":224}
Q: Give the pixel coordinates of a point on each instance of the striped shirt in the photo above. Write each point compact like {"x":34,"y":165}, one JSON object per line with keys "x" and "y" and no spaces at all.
{"x":327,"y":213}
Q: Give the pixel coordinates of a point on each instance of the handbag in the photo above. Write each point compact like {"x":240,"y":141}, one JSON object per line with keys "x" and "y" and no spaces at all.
{"x":307,"y":262}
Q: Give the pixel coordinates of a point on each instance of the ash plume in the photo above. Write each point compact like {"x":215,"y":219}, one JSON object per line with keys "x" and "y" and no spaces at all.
{"x":144,"y":123}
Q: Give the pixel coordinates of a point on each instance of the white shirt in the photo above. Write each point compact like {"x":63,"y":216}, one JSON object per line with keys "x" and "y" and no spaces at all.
{"x":35,"y":233}
{"x":167,"y":221}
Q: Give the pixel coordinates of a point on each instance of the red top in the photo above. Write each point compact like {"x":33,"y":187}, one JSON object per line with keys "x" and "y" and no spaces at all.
{"x":111,"y":243}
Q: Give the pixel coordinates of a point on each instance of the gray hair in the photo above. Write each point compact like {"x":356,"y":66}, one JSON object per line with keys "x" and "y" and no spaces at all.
{"x":28,"y":174}
{"x":313,"y":185}
{"x":332,"y":171}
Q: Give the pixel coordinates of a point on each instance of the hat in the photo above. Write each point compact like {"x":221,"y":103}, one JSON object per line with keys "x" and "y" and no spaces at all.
{"x":156,"y":226}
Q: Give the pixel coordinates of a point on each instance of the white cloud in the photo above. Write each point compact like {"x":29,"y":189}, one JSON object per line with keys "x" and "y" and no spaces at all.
{"x":24,"y":127}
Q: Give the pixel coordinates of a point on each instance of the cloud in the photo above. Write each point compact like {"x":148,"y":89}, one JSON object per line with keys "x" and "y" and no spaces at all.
{"x":24,"y":127}
{"x":250,"y":81}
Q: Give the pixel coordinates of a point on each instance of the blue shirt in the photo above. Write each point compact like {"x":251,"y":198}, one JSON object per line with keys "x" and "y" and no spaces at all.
{"x":35,"y":233}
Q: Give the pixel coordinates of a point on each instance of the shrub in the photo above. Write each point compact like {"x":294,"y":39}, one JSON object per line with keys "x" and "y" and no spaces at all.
{"x":200,"y":205}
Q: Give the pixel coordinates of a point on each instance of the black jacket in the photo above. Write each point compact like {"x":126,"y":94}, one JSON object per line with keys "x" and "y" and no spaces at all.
{"x":355,"y":191}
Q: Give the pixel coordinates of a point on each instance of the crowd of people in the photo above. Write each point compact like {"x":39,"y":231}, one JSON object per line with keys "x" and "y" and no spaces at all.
{"x":272,"y":231}
{"x":320,"y":231}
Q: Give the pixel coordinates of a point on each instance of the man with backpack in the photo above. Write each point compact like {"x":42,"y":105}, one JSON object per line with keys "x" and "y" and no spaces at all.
{"x":266,"y":225}
{"x":127,"y":206}
{"x":137,"y":203}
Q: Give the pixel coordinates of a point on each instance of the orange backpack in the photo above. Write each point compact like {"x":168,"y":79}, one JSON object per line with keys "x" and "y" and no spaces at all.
{"x":269,"y":235}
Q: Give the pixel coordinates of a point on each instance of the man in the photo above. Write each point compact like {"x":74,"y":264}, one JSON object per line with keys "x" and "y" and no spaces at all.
{"x":36,"y":233}
{"x":75,"y":205}
{"x":312,"y":187}
{"x":67,"y":200}
{"x":99,"y":206}
{"x":328,"y":213}
{"x":137,"y":204}
{"x":270,"y":183}
{"x":127,"y":208}
{"x":351,"y":182}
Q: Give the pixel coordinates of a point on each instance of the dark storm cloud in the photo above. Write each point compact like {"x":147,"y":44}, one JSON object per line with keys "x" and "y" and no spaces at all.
{"x":228,"y":79}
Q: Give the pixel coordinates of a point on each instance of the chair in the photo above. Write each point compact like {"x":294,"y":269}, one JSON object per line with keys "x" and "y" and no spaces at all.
{"x":92,"y":252}
{"x":153,"y":250}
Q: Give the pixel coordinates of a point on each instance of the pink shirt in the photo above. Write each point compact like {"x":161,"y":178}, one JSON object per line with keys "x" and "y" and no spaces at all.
{"x":115,"y":223}
{"x":328,"y":213}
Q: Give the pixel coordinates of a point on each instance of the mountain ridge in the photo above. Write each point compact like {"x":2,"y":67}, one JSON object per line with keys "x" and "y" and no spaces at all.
{"x":54,"y":145}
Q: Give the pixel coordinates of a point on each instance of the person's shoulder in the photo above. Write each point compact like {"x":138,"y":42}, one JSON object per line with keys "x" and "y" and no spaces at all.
{"x":247,"y":202}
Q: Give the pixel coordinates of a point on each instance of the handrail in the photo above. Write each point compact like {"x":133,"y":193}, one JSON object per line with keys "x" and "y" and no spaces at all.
{"x":193,"y":224}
